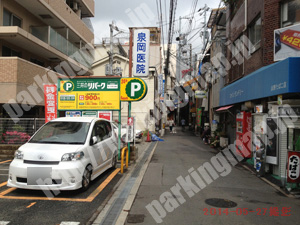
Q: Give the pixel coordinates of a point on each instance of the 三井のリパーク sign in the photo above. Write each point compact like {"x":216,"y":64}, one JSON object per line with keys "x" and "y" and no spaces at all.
{"x":89,"y":94}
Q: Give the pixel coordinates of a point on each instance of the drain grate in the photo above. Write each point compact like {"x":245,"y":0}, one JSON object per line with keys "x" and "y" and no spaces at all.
{"x":135,"y":218}
{"x":220,"y":202}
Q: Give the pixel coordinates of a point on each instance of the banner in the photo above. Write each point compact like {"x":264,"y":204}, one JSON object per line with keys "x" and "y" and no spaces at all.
{"x":293,"y":170}
{"x":50,"y":97}
{"x":198,"y":117}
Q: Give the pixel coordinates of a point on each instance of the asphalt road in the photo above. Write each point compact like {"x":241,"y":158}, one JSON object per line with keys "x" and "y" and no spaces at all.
{"x":29,"y":207}
{"x":238,"y":197}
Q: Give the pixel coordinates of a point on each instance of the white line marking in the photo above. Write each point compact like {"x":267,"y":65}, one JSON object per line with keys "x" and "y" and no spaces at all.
{"x":4,"y":222}
{"x":68,"y":223}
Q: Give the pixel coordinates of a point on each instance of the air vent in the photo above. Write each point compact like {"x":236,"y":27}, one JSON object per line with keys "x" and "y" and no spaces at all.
{"x":45,"y":16}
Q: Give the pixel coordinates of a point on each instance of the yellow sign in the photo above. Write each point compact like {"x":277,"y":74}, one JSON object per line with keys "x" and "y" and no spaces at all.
{"x":89,"y":94}
{"x":89,"y":100}
{"x":133,"y":89}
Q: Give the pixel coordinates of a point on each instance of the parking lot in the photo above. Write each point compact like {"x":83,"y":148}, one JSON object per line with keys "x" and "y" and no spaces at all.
{"x":65,"y":207}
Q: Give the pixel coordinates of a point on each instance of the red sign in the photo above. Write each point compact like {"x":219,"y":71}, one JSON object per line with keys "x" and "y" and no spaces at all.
{"x":291,"y":38}
{"x":293,"y":170}
{"x":50,"y":95}
{"x":105,"y":115}
{"x":184,"y":72}
{"x":130,"y":121}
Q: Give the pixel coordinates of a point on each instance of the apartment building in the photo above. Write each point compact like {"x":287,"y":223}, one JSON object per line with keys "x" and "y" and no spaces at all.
{"x":40,"y":40}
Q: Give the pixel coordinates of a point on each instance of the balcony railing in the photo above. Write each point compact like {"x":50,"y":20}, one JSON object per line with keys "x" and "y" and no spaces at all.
{"x":50,"y":36}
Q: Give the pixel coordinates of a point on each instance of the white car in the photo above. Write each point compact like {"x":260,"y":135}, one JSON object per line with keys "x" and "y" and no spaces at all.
{"x":138,"y":133}
{"x":64,"y":154}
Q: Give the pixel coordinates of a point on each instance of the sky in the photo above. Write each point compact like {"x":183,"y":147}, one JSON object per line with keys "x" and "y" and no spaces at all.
{"x":136,"y":13}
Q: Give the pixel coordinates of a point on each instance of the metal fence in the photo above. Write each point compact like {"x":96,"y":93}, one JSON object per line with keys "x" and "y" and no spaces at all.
{"x":20,"y":132}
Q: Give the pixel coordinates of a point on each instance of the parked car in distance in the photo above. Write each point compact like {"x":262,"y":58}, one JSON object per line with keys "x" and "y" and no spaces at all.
{"x":65,"y":154}
{"x":138,"y":133}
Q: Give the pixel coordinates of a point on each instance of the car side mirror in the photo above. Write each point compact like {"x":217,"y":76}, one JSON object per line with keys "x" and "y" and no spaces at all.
{"x":93,"y":140}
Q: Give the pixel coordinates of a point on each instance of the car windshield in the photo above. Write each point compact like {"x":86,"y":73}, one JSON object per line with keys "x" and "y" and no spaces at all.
{"x":59,"y":132}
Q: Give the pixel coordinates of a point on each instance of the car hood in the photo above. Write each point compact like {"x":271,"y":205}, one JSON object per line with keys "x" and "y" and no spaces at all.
{"x":47,"y":152}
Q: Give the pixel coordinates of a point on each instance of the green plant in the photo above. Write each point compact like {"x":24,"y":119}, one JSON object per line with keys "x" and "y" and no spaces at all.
{"x":18,"y":128}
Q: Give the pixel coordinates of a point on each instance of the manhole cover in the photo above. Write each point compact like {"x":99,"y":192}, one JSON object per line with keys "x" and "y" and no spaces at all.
{"x":135,"y":218}
{"x":220,"y":202}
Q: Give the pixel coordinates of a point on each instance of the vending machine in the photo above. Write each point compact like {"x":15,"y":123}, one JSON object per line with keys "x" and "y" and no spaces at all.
{"x":243,"y":134}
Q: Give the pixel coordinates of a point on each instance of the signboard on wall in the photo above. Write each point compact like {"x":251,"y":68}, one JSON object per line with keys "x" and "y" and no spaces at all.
{"x":287,"y":42}
{"x":293,"y":170}
{"x":105,"y":115}
{"x":89,"y":94}
{"x":141,"y":47}
{"x":50,"y":96}
{"x":73,"y":114}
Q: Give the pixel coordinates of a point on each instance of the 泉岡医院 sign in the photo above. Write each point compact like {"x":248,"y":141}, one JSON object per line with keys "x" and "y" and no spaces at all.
{"x":141,"y":52}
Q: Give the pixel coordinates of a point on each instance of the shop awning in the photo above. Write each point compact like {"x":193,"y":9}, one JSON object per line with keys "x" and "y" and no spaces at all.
{"x":275,"y":79}
{"x":224,"y":108}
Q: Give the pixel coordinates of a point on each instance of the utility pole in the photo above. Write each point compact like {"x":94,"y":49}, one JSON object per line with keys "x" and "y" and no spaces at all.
{"x":111,"y":48}
{"x":178,"y":71}
{"x":205,"y":9}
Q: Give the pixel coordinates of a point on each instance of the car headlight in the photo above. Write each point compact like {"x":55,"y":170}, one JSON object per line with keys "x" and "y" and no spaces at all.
{"x":72,"y":156}
{"x":19,"y":154}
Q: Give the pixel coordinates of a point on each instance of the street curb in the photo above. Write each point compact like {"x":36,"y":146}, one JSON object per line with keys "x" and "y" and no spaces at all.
{"x":270,"y":183}
{"x":105,"y":206}
{"x":127,"y":206}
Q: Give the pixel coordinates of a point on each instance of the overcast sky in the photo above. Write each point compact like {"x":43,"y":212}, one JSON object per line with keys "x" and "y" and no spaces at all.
{"x":135,"y":13}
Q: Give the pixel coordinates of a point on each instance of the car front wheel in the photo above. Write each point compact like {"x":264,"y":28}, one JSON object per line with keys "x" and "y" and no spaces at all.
{"x":86,"y":179}
{"x":114,"y":162}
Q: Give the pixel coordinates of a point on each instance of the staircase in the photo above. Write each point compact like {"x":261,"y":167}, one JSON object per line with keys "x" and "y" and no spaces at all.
{"x":8,"y":151}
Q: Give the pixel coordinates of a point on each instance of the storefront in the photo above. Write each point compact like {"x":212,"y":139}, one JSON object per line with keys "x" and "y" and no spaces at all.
{"x":271,"y":95}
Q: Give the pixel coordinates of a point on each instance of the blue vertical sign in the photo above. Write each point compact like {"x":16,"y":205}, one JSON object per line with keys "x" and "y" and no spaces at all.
{"x":141,"y":52}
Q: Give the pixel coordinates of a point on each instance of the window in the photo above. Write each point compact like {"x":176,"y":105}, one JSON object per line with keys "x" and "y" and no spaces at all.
{"x":100,"y":131}
{"x":254,"y":35}
{"x":294,"y":139}
{"x":290,"y":13}
{"x":10,"y":52}
{"x":10,"y":19}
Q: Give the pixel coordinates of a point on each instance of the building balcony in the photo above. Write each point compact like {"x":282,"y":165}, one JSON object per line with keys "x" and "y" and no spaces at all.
{"x":57,"y":13}
{"x":47,"y":43}
{"x":18,"y":77}
{"x":57,"y":41}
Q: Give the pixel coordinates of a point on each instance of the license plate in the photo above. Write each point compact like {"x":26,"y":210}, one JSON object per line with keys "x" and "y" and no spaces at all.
{"x":39,"y":175}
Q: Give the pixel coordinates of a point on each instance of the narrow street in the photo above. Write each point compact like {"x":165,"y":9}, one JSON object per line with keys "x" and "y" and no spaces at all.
{"x":253,"y":200}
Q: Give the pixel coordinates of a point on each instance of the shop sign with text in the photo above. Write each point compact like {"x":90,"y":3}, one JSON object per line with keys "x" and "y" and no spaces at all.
{"x":89,"y":94}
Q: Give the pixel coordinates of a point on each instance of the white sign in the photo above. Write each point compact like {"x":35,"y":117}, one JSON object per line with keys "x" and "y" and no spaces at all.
{"x":160,"y":83}
{"x":141,"y":39}
{"x":286,"y":42}
{"x":200,"y":94}
{"x":129,"y":134}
